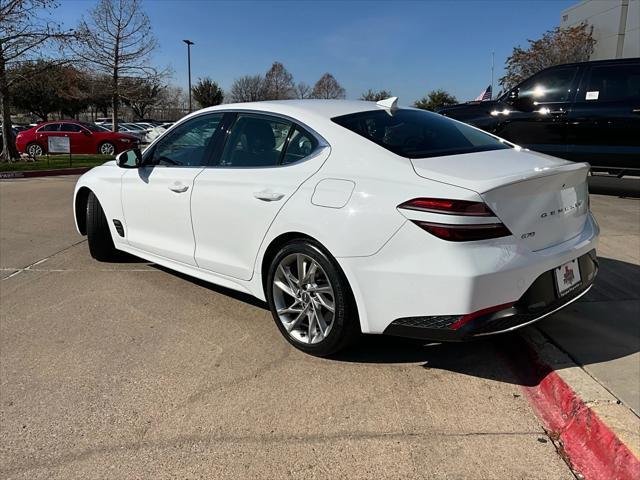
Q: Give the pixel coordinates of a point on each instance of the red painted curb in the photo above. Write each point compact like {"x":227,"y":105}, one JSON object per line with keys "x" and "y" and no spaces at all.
{"x":44,"y":173}
{"x":592,"y":448}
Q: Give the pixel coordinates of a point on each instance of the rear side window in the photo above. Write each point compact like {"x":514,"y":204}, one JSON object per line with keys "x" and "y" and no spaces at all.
{"x":255,"y":141}
{"x":70,"y":127}
{"x":613,"y":83}
{"x":52,"y":127}
{"x":549,"y":86}
{"x":418,"y":134}
{"x":301,"y":145}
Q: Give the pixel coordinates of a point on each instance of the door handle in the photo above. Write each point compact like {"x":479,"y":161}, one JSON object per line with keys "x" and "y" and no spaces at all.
{"x":268,"y":196}
{"x":179,"y":188}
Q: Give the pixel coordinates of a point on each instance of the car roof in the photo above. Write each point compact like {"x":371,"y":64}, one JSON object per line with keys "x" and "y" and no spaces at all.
{"x":317,"y":108}
{"x":595,"y":62}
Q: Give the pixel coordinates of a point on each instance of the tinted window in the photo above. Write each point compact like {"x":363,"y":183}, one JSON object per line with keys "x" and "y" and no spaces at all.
{"x":549,"y":86}
{"x":187,"y":144}
{"x":70,"y":127}
{"x":418,"y":134}
{"x":255,"y":141}
{"x":52,"y":127}
{"x":300,"y":145}
{"x":613,"y":83}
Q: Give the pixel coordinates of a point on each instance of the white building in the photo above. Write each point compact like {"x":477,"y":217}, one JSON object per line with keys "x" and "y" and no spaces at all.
{"x":616,"y":26}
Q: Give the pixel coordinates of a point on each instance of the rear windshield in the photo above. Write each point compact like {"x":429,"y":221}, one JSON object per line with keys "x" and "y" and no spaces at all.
{"x":418,"y":134}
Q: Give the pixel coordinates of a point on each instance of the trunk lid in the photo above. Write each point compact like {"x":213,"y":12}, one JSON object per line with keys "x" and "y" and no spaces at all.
{"x":542,"y":200}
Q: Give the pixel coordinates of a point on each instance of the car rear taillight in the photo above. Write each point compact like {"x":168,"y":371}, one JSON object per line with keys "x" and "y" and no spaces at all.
{"x":450,"y":207}
{"x":462,"y":232}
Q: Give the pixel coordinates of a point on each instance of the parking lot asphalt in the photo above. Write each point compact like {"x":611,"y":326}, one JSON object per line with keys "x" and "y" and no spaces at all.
{"x":130,"y":371}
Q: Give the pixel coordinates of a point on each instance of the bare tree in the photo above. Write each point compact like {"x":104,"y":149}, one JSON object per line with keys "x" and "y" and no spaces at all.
{"x":557,"y":46}
{"x":24,"y":33}
{"x":248,"y":88}
{"x":117,"y":40}
{"x":327,"y":87}
{"x":278,"y":83}
{"x":375,"y":95}
{"x":303,"y":90}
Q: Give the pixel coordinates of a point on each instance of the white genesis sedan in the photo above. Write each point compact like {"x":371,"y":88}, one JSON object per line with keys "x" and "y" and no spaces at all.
{"x":349,"y":217}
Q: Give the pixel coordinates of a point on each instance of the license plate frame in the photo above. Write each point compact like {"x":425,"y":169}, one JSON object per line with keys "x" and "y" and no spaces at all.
{"x":567,"y":277}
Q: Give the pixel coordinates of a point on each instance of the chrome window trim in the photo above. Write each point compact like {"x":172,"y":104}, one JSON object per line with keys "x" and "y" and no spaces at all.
{"x":322,"y":142}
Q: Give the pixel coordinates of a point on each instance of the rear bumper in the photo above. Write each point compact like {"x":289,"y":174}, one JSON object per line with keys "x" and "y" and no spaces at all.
{"x":538,"y":302}
{"x":416,"y":275}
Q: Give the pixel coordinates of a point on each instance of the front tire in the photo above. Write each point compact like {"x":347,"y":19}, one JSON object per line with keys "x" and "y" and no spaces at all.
{"x":99,"y":237}
{"x":34,"y":150}
{"x":310,"y":299}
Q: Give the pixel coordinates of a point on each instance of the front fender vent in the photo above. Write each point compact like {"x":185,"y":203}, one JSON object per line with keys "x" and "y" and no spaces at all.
{"x":119,"y":227}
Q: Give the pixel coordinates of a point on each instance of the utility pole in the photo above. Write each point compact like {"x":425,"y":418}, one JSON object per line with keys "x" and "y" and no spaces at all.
{"x":493,"y":55}
{"x":189,"y":43}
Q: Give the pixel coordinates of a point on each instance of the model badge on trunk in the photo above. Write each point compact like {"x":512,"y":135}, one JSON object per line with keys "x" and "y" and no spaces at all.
{"x":563,"y":211}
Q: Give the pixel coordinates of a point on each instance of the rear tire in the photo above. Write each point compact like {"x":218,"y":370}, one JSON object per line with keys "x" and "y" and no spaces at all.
{"x":330,"y":323}
{"x":107,"y":148}
{"x":99,"y":237}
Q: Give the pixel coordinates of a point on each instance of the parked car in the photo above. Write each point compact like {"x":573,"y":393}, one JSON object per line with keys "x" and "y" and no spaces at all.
{"x":122,"y":128}
{"x":363,"y":217}
{"x":586,"y":112}
{"x":84,"y":138}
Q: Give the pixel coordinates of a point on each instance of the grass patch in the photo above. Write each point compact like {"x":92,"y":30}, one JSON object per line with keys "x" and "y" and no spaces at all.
{"x":55,"y":162}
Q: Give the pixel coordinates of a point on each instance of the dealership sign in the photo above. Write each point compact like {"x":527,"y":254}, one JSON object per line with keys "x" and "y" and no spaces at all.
{"x":59,"y":145}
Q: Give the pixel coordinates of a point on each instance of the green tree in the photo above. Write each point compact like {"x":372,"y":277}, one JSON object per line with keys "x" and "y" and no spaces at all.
{"x":375,"y":95}
{"x":207,"y":93}
{"x":141,"y":94}
{"x":328,"y":88}
{"x":44,"y":87}
{"x":557,"y":46}
{"x":435,"y":99}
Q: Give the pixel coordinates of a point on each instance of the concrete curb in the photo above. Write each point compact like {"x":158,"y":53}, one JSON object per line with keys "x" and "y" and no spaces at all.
{"x":593,"y":431}
{"x":44,"y":173}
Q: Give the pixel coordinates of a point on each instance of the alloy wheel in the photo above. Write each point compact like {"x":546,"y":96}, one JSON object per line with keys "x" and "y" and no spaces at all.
{"x":34,"y":150}
{"x":107,"y":148}
{"x":304,"y":298}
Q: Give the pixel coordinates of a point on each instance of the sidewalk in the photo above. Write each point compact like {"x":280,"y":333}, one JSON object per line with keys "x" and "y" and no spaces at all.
{"x":601,"y":332}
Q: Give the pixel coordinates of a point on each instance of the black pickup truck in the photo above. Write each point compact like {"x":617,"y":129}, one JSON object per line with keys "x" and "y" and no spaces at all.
{"x":587,"y":112}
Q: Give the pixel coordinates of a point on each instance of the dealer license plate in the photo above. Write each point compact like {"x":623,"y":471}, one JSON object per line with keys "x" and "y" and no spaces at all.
{"x":567,"y":276}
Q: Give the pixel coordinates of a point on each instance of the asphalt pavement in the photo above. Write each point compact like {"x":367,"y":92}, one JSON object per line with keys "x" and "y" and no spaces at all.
{"x":130,"y":371}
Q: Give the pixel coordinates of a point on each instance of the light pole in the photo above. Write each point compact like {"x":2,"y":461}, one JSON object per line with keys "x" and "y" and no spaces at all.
{"x":189,"y":43}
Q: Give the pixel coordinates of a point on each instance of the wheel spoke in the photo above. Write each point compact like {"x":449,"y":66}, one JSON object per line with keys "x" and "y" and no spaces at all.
{"x":321,"y":289}
{"x":285,"y":288}
{"x":322,"y":325}
{"x":325,"y":303}
{"x":294,"y":323}
{"x":290,"y":309}
{"x":291,"y":280}
{"x":301,"y":269}
{"x":310,"y":273}
{"x":312,"y":322}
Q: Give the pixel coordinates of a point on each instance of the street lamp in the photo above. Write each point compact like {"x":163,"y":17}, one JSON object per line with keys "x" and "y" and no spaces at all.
{"x":189,"y":43}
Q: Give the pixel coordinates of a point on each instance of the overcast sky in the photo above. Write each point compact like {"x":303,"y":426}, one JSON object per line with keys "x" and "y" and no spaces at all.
{"x":408,"y":47}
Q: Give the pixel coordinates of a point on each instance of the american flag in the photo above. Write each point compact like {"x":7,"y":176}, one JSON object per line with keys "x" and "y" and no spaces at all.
{"x":485,"y":95}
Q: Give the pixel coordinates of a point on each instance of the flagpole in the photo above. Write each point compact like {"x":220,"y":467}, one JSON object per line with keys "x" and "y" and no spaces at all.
{"x":493,"y":54}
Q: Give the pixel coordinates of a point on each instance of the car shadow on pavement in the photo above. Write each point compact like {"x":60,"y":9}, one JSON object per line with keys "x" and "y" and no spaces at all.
{"x":605,"y":314}
{"x":603,"y":326}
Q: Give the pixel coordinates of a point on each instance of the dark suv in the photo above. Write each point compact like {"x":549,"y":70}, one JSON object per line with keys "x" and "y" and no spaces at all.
{"x":588,"y":112}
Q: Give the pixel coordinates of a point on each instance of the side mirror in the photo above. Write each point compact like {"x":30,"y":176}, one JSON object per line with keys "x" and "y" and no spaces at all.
{"x":129,"y":158}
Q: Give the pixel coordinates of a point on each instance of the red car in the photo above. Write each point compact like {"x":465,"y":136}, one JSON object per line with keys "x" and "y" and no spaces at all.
{"x":83,"y":138}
